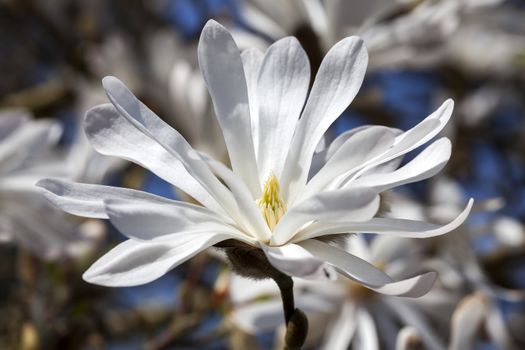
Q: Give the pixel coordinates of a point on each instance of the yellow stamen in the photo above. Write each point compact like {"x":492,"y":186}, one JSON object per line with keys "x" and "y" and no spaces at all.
{"x":271,"y":205}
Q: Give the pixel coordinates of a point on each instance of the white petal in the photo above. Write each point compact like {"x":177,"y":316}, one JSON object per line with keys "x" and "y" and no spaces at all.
{"x":296,"y":261}
{"x":426,"y":164}
{"x":413,"y":316}
{"x":142,"y":118}
{"x":347,"y":264}
{"x":282,"y":86}
{"x":28,"y":140}
{"x":342,"y":329}
{"x":337,"y":82}
{"x":160,"y":219}
{"x":417,"y":136}
{"x":467,"y":321}
{"x":250,"y":216}
{"x":110,"y":133}
{"x":242,"y":290}
{"x":397,"y":227}
{"x":251,"y":61}
{"x":358,"y":149}
{"x":367,"y":338}
{"x":332,"y":206}
{"x":412,"y":287}
{"x":132,"y":263}
{"x":221,"y":65}
{"x":88,"y":200}
{"x":259,"y":317}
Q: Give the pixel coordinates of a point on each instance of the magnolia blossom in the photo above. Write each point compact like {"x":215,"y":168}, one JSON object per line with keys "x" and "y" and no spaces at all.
{"x":256,"y":306}
{"x":366,"y":319}
{"x":28,"y":154}
{"x":396,"y":32}
{"x":271,"y":125}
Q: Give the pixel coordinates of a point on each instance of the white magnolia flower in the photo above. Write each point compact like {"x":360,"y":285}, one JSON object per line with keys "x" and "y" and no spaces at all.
{"x":473,"y":319}
{"x":417,"y":34}
{"x":256,"y":306}
{"x":365,"y":319}
{"x":266,"y":202}
{"x":28,"y":154}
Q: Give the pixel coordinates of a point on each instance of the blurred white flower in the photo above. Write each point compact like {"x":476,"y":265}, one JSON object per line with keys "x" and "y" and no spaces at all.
{"x":256,"y":306}
{"x":474,"y":319}
{"x":395,"y":32}
{"x":267,"y":201}
{"x":365,"y":319}
{"x":28,"y":154}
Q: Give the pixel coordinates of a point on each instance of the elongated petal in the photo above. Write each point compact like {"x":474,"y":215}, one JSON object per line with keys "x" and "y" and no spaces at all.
{"x":417,"y":136}
{"x":427,"y":164}
{"x":88,"y":200}
{"x":347,"y":264}
{"x":467,"y":321}
{"x":251,"y":60}
{"x":296,"y":261}
{"x":221,"y":65}
{"x":368,"y":275}
{"x":112,"y":134}
{"x":149,"y":124}
{"x":395,"y":227}
{"x":340,"y":205}
{"x":281,"y":92}
{"x":336,"y":84}
{"x":353,"y":154}
{"x":342,"y":329}
{"x":158,"y":219}
{"x":132,"y":263}
{"x":366,"y":331}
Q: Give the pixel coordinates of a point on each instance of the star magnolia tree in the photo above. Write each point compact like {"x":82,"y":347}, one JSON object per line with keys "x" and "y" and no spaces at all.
{"x":267,"y":206}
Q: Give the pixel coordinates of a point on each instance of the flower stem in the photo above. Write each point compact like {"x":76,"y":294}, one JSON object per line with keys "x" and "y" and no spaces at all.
{"x":296,"y":321}
{"x":285,"y":284}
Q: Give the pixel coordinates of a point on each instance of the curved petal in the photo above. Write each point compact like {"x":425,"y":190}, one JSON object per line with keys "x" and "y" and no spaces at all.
{"x":133,"y":263}
{"x":336,"y":84}
{"x":414,"y":287}
{"x":282,"y":86}
{"x":110,"y":133}
{"x":221,"y":66}
{"x":395,"y":227}
{"x":358,"y":149}
{"x":332,"y":206}
{"x":417,"y":136}
{"x":426,"y":164}
{"x":88,"y":200}
{"x":347,"y":264}
{"x":296,"y":261}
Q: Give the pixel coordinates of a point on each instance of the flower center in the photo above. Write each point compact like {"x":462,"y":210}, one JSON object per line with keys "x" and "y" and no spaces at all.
{"x":270,"y":204}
